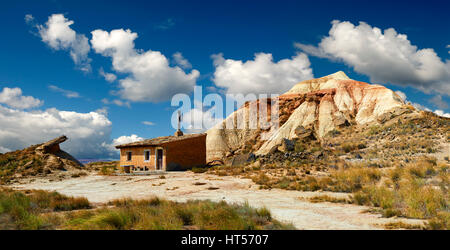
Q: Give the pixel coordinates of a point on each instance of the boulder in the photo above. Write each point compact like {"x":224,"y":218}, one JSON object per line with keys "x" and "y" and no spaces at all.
{"x":302,"y":132}
{"x":286,"y":145}
{"x":52,"y":146}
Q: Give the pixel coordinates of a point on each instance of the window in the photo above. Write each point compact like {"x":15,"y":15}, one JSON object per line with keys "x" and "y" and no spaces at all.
{"x":146,"y":155}
{"x":128,"y":156}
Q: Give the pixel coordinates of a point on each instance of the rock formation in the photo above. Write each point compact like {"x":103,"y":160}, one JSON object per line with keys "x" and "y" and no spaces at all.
{"x":311,"y":109}
{"x":41,"y":159}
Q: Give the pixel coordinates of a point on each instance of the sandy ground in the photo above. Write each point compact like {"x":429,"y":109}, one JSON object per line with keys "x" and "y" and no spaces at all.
{"x":286,"y":206}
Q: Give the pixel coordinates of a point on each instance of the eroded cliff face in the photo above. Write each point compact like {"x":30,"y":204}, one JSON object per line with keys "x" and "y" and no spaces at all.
{"x":311,"y":108}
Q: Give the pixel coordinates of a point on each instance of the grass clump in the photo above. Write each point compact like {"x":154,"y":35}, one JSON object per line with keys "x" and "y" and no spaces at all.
{"x":23,"y":210}
{"x":402,"y":225}
{"x":327,"y":198}
{"x":199,"y":170}
{"x":410,"y":197}
{"x":439,"y":222}
{"x":162,"y":214}
{"x":40,"y":210}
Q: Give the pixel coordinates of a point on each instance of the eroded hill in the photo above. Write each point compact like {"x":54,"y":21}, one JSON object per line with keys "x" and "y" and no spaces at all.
{"x":37,"y":160}
{"x":311,"y":108}
{"x":342,"y":135}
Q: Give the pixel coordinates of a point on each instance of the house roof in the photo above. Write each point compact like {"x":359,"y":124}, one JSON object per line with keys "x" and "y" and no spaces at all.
{"x":160,"y":140}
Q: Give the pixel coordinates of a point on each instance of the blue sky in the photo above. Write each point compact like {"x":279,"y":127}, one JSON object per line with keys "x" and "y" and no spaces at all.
{"x":198,"y":30}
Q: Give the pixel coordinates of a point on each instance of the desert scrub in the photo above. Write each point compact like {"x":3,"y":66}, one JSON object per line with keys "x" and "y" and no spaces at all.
{"x":411,"y":200}
{"x":263,"y":180}
{"x":402,"y":225}
{"x":409,"y":193}
{"x":36,"y":210}
{"x":440,"y":222}
{"x":374,"y":130}
{"x":24,"y":208}
{"x":162,"y":214}
{"x":107,"y":170}
{"x":199,"y":169}
{"x":345,"y":179}
{"x":103,"y":167}
{"x":354,"y":178}
{"x":57,"y":202}
{"x":351,"y":146}
{"x":327,"y":198}
{"x":224,"y":170}
{"x":416,"y":189}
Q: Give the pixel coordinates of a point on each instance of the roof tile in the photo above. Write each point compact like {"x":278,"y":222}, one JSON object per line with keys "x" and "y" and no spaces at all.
{"x":160,"y":140}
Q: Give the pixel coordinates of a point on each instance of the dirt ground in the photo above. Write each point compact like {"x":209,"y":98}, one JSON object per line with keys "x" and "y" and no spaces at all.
{"x":285,"y":205}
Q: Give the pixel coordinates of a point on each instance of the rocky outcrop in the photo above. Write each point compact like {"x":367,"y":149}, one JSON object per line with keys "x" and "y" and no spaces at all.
{"x":41,"y":159}
{"x":51,"y":147}
{"x":311,"y":109}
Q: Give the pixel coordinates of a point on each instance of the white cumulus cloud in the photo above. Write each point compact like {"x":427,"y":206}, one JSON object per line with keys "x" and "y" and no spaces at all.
{"x":58,"y":35}
{"x":385,"y":56}
{"x":261,"y":75}
{"x":441,"y":113}
{"x":126,"y":139}
{"x":109,"y":77}
{"x":4,"y":150}
{"x":13,"y":98}
{"x":181,"y":61}
{"x":151,"y":78}
{"x":422,"y":107}
{"x":121,"y":140}
{"x":87,"y":132}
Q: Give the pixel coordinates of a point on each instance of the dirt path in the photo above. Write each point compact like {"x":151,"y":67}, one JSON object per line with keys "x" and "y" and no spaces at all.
{"x":181,"y":186}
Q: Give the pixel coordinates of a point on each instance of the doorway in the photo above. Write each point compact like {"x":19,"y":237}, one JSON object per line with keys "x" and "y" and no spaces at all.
{"x":159,"y":159}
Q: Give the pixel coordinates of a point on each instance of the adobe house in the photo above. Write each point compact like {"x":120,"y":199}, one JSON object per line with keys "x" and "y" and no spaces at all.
{"x":178,"y":152}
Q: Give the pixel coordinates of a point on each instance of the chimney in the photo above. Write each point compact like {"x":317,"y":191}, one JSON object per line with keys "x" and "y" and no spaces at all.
{"x":179,"y":132}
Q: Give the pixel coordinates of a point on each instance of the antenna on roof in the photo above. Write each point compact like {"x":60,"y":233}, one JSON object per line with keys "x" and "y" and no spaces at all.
{"x":179,"y":132}
{"x":179,"y":119}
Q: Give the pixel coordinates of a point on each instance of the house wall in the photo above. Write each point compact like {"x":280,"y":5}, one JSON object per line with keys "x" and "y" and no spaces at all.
{"x":137,"y":157}
{"x":177,"y":155}
{"x":186,"y":154}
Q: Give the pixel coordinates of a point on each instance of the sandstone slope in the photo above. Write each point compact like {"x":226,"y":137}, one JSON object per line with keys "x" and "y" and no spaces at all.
{"x":311,"y":108}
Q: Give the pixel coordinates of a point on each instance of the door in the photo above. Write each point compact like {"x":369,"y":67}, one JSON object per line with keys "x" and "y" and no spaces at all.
{"x":159,"y":159}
